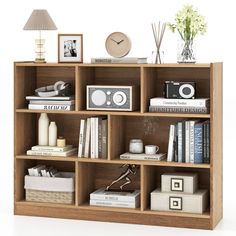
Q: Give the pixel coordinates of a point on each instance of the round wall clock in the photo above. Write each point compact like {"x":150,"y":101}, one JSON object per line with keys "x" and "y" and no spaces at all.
{"x":118,"y":44}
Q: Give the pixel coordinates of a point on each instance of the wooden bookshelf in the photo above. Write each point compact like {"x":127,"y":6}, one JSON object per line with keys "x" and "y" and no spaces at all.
{"x":92,"y":174}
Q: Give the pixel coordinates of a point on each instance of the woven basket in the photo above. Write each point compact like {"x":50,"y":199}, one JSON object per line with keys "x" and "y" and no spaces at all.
{"x":49,"y":196}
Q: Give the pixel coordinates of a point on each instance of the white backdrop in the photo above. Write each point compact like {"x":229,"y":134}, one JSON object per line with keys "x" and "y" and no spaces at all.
{"x":96,"y":19}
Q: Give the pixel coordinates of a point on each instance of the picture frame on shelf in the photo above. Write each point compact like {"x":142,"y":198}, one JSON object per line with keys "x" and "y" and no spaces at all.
{"x":70,"y":48}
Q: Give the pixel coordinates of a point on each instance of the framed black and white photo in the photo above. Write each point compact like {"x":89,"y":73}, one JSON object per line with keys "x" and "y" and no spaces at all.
{"x":175,"y":203}
{"x":70,"y":48}
{"x":177,"y":184}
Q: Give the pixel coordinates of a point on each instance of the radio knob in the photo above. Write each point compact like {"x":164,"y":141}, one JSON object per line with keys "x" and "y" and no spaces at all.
{"x":119,"y":98}
{"x":108,"y":92}
{"x":108,"y":103}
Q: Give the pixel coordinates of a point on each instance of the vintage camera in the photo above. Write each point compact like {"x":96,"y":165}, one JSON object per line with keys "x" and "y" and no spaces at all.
{"x":184,"y":90}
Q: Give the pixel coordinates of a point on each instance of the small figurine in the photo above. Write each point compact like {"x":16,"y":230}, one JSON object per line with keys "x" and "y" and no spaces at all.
{"x":131,"y":169}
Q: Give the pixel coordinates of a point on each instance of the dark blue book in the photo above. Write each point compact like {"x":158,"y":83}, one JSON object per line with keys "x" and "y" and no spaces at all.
{"x":198,"y":143}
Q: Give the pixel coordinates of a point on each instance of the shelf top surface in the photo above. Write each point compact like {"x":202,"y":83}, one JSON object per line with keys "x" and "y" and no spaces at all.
{"x":171,"y":65}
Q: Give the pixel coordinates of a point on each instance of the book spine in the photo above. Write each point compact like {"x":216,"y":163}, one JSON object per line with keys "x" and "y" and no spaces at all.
{"x":51,"y":149}
{"x":87,"y":138}
{"x":208,"y":142}
{"x":187,"y":134}
{"x":198,"y":143}
{"x":104,"y":139}
{"x":113,"y":204}
{"x":48,"y":102}
{"x":51,"y":107}
{"x":180,"y":140}
{"x":99,"y":137}
{"x":179,"y":109}
{"x":183,"y":141}
{"x":170,"y":155}
{"x":59,"y":154}
{"x":92,"y":148}
{"x":176,"y":143}
{"x":81,"y":138}
{"x":102,"y":197}
{"x":191,"y":141}
{"x":204,"y":143}
{"x":96,"y":137}
{"x":163,"y":102}
{"x":123,"y":157}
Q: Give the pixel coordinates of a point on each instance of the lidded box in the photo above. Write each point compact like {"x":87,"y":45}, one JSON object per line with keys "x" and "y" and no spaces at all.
{"x":179,"y":182}
{"x":182,"y":202}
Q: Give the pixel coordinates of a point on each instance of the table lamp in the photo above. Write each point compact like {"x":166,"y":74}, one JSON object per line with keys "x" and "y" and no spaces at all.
{"x":40,"y":20}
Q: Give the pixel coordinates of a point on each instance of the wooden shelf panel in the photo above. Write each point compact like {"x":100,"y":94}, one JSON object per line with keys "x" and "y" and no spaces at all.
{"x":115,"y":161}
{"x":31,"y":63}
{"x":45,"y":204}
{"x":118,"y":113}
{"x":205,"y":215}
{"x":86,"y":206}
{"x":47,"y":158}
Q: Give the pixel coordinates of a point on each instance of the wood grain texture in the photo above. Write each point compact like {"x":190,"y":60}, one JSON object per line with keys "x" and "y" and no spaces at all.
{"x":134,"y":217}
{"x":152,"y":128}
{"x":216,"y":145}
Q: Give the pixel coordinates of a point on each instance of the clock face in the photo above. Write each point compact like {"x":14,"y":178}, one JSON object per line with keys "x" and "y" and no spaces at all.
{"x":118,"y":44}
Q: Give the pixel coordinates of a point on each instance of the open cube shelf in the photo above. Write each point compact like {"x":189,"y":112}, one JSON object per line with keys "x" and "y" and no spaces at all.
{"x":152,"y":128}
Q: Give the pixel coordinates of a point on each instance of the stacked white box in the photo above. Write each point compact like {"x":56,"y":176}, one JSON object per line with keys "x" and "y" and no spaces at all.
{"x":179,"y":192}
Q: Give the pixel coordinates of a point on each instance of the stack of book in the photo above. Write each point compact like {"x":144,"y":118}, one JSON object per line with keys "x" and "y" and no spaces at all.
{"x":198,"y":105}
{"x":124,"y":60}
{"x":189,"y":141}
{"x":38,"y":150}
{"x":102,"y":197}
{"x":93,"y":138}
{"x":51,"y":103}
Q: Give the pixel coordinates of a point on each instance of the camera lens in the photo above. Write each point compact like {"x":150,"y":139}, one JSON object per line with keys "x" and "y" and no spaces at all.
{"x":186,"y":91}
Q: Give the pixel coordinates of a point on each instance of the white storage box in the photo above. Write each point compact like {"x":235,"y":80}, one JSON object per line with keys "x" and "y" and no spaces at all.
{"x":179,"y":182}
{"x":50,"y":189}
{"x":179,"y":202}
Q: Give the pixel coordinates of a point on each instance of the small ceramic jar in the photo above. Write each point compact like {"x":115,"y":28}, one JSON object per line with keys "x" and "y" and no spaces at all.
{"x":136,"y":146}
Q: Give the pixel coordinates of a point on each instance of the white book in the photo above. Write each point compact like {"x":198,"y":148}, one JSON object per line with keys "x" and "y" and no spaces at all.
{"x":104,"y":139}
{"x":169,"y":102}
{"x":180,"y":141}
{"x":170,"y":155}
{"x":124,"y":60}
{"x":51,"y":107}
{"x":50,"y":102}
{"x":102,"y":194}
{"x":191,"y":140}
{"x":92,"y":151}
{"x":87,"y":138}
{"x":114,"y":204}
{"x":187,"y":154}
{"x":81,"y":137}
{"x":59,"y":154}
{"x":143,"y":156}
{"x":96,"y":137}
{"x":50,"y":98}
{"x":51,"y":149}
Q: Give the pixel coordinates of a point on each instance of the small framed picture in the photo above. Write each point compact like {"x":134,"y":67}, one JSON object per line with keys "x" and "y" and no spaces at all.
{"x":175,"y":203}
{"x":70,"y":48}
{"x":177,"y":184}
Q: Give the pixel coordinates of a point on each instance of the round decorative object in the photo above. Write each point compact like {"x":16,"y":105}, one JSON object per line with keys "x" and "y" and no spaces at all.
{"x":119,"y":98}
{"x":136,"y":146}
{"x":118,"y":44}
{"x":98,"y":97}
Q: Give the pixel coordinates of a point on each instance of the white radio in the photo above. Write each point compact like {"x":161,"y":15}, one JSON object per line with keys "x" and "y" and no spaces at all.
{"x":116,"y":98}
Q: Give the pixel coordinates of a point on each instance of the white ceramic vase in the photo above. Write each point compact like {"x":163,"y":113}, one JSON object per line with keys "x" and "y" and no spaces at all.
{"x":52,"y":134}
{"x":43,"y":123}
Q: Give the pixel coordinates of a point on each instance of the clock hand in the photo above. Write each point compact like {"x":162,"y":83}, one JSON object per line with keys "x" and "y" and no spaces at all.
{"x":114,"y":41}
{"x":120,"y":41}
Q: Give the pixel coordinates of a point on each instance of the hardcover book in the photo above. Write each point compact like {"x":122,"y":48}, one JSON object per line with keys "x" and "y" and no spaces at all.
{"x":125,"y":60}
{"x":143,"y":156}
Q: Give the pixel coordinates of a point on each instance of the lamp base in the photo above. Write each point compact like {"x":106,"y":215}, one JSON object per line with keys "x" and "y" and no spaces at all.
{"x":39,"y":60}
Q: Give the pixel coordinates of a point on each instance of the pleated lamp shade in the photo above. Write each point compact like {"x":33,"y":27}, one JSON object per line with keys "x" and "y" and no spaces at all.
{"x":40,"y":20}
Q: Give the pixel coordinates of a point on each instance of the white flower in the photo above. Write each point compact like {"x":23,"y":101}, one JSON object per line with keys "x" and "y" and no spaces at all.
{"x":188,"y":23}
